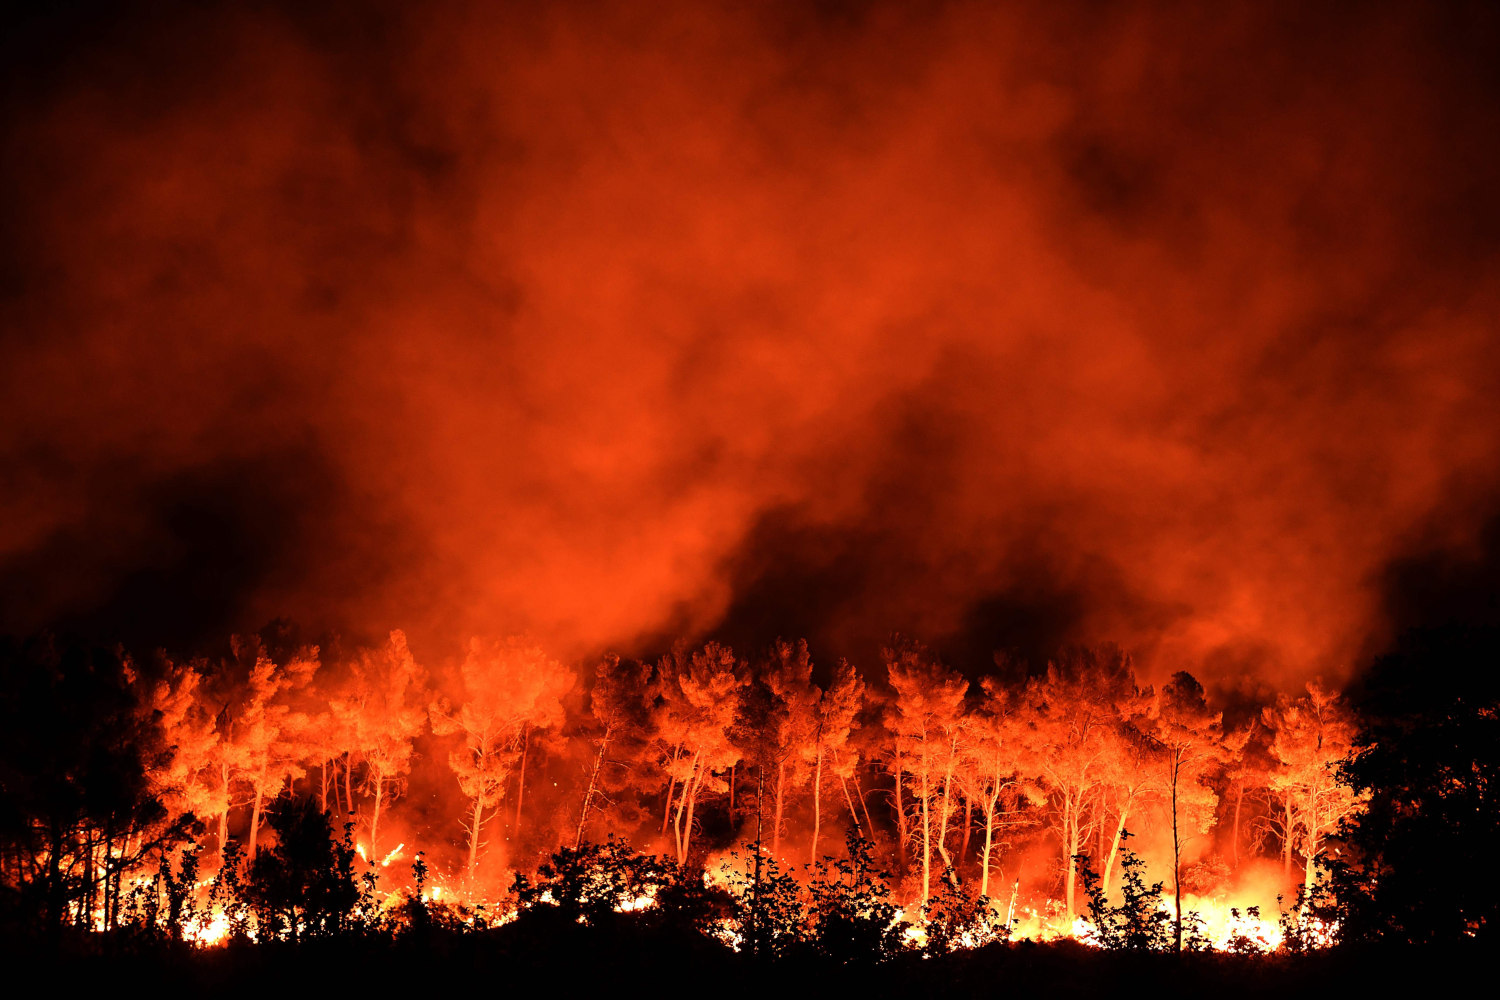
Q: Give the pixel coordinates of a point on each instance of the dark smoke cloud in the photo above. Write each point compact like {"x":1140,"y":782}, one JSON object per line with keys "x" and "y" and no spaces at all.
{"x":1004,"y":326}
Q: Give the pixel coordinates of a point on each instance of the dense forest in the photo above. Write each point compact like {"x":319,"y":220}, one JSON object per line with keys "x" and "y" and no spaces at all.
{"x":768,"y":805}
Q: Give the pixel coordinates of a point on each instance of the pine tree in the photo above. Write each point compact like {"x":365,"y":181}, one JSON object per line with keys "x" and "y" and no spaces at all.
{"x":927,"y":730}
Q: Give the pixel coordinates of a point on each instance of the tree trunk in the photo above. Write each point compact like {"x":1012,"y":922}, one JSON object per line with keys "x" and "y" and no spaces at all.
{"x":1286,"y":839}
{"x":521,"y":778}
{"x":1071,"y":843}
{"x":1176,"y":863}
{"x":926,"y":843}
{"x":687,"y":833}
{"x":869,"y":823}
{"x":255,"y":817}
{"x":1311,"y":851}
{"x":1114,"y":847}
{"x":85,"y":913}
{"x":375,"y":814}
{"x":1234,"y":837}
{"x":942,"y":837}
{"x":900,"y":821}
{"x":474,"y":839}
{"x":812,"y":856}
{"x":666,"y":816}
{"x":776,"y":820}
{"x":858,"y":826}
{"x":760,"y":798}
{"x":687,"y":786}
{"x":55,"y":898}
{"x":588,"y":796}
{"x":965,"y":810}
{"x":989,"y":839}
{"x":349,"y":782}
{"x":224,"y":815}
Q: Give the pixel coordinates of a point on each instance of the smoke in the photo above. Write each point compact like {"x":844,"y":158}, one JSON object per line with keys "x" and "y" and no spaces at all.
{"x":1005,"y":327}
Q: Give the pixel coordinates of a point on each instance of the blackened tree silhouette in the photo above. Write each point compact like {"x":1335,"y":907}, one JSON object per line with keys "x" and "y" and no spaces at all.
{"x":1418,"y":864}
{"x":78,"y":808}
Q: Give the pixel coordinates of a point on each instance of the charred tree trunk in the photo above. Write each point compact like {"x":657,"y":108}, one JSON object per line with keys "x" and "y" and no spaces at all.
{"x":86,"y":907}
{"x":56,"y":897}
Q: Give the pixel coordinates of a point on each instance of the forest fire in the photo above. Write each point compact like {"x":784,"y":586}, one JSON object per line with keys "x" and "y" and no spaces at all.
{"x":964,"y":789}
{"x":828,"y":485}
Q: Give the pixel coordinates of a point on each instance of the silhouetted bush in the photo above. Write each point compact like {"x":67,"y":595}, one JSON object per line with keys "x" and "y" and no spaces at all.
{"x":1140,"y":923}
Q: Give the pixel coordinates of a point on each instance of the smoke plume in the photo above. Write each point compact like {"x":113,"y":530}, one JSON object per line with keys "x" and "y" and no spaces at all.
{"x":1006,"y":326}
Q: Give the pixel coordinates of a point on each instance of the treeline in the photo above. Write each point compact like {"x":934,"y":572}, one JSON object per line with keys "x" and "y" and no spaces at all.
{"x":111,"y":766}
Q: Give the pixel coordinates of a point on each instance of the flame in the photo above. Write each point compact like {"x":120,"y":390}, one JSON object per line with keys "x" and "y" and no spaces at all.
{"x":644,"y":901}
{"x":214,"y":932}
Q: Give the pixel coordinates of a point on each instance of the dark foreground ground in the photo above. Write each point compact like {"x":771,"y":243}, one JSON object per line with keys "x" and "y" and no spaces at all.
{"x":559,"y":960}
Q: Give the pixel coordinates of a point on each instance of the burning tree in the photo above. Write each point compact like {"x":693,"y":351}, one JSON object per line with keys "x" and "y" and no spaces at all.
{"x":1188,"y":735}
{"x":620,"y":706}
{"x":261,"y":741}
{"x":699,"y":704}
{"x":181,"y":779}
{"x":927,"y":729}
{"x":991,"y":765}
{"x":834,"y":712}
{"x":78,"y":802}
{"x":788,"y":723}
{"x":381,"y":709}
{"x":1311,"y":734}
{"x":1132,"y":777}
{"x":511,"y":687}
{"x":1074,"y":725}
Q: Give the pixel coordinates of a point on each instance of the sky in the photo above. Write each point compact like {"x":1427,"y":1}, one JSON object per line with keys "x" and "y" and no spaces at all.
{"x":1004,"y":326}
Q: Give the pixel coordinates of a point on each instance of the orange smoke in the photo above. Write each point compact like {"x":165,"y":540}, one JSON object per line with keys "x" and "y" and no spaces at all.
{"x":595,"y":322}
